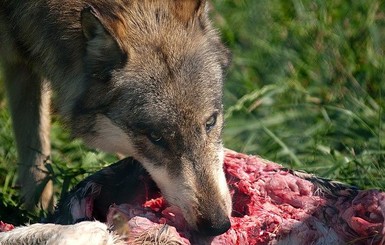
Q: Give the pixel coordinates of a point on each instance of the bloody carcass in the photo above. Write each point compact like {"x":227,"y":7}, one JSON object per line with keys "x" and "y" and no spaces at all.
{"x":271,"y":205}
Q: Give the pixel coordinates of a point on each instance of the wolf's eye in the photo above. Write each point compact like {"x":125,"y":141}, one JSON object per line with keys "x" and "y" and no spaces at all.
{"x":210,"y":123}
{"x":155,"y":137}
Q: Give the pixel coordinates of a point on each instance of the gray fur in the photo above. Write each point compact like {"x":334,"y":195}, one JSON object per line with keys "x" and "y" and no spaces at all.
{"x":137,"y":77}
{"x":83,"y":233}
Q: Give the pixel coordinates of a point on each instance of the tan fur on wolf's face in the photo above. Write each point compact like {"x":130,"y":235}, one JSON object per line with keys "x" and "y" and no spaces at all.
{"x":142,"y":78}
{"x":172,"y":86}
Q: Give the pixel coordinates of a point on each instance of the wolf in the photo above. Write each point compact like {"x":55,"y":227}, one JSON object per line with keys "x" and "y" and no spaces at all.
{"x":137,"y":77}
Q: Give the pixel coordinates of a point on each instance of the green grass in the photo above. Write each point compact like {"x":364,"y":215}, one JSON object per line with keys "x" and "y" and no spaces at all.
{"x":306,"y":85}
{"x":305,"y":89}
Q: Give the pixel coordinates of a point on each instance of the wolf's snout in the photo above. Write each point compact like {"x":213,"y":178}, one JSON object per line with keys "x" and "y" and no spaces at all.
{"x":214,"y":227}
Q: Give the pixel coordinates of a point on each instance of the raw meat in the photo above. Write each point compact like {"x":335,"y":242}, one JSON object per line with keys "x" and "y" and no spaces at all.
{"x":5,"y":226}
{"x":271,"y":205}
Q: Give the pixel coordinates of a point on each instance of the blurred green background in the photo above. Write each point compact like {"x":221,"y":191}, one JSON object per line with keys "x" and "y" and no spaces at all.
{"x":305,"y":89}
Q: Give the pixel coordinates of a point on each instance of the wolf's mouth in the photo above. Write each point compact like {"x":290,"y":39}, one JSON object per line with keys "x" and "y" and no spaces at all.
{"x":124,"y":196}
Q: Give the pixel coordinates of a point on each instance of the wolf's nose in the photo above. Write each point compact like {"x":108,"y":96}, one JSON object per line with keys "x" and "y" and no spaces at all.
{"x":210,"y":228}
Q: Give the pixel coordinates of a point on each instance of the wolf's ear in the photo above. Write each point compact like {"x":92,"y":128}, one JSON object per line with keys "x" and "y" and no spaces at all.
{"x":185,"y":10}
{"x":103,"y":52}
{"x":91,"y":25}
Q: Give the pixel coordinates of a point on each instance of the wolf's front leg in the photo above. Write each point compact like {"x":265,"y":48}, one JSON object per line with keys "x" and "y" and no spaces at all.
{"x":29,"y":100}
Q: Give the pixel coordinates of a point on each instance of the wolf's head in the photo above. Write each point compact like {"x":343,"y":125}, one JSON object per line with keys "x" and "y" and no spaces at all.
{"x":155,"y":71}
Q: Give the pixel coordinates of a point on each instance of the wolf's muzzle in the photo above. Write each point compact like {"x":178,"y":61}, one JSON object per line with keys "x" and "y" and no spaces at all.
{"x":209,"y":227}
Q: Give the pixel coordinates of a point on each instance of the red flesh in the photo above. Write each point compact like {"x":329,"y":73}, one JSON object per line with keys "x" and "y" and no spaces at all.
{"x":271,"y":205}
